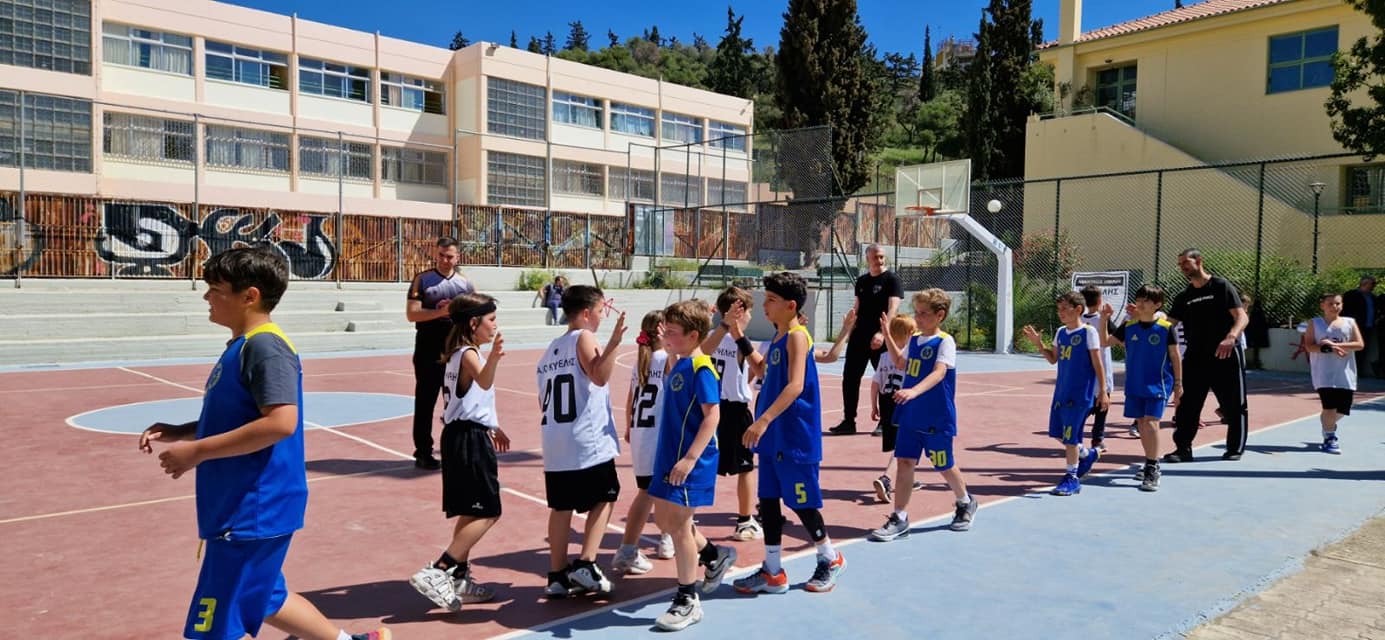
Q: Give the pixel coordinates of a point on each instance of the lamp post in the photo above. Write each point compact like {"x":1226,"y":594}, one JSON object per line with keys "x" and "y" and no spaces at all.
{"x":1317,"y":188}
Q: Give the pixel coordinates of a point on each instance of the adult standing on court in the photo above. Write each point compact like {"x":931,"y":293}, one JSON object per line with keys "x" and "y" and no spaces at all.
{"x":877,"y":291}
{"x":1213,"y":320}
{"x":1362,"y":305}
{"x":429,"y":294}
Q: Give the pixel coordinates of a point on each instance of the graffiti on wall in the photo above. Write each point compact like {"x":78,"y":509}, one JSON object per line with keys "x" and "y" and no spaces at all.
{"x":22,"y":243}
{"x":147,"y":239}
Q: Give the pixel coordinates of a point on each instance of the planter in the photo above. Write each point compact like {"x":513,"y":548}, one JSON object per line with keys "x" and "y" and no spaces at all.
{"x":1279,"y":355}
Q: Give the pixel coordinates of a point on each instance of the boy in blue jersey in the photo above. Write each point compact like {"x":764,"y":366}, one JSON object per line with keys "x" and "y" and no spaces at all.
{"x":1150,"y":348}
{"x":248,"y":449}
{"x":1080,"y":389}
{"x":685,"y":461}
{"x":926,"y":413}
{"x":787,"y":435}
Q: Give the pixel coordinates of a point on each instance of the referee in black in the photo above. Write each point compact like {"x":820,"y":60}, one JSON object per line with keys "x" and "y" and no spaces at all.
{"x":877,"y":291}
{"x":1212,"y":318}
{"x":429,"y":294}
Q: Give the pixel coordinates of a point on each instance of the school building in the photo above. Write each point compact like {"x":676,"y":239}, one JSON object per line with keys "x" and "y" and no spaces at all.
{"x":1211,"y":83}
{"x":195,"y":101}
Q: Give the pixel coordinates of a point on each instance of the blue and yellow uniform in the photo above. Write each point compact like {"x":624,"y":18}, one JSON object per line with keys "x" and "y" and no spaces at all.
{"x":248,"y":506}
{"x":1075,"y":391}
{"x":929,"y":422}
{"x":791,"y":448}
{"x":692,"y":383}
{"x":1147,"y":384}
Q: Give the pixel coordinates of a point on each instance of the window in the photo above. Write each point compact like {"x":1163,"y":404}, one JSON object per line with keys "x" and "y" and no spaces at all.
{"x":578,"y":177}
{"x":127,"y":135}
{"x":323,"y":157}
{"x":247,"y":66}
{"x":333,"y":80}
{"x":413,"y":166}
{"x":724,"y":135}
{"x":407,"y":92}
{"x":632,"y":120}
{"x":1115,"y":89}
{"x":236,"y":148}
{"x":680,"y":190}
{"x":57,"y":132}
{"x":514,"y":179}
{"x":727,"y":192}
{"x":46,"y":34}
{"x":682,"y":128}
{"x":1366,"y":189}
{"x":516,"y":109}
{"x":138,"y":47}
{"x":1301,"y":60}
{"x":640,"y":185}
{"x":579,"y":110}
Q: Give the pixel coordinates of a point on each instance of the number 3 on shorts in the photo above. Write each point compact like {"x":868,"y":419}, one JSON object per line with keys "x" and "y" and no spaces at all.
{"x":204,"y":617}
{"x":801,"y":493}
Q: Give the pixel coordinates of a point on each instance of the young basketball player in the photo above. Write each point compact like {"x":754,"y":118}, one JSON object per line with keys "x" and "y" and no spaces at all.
{"x":1150,"y":348}
{"x":643,"y":408}
{"x":887,"y":380}
{"x":731,"y":357}
{"x":1091,"y":314}
{"x":1330,"y":342}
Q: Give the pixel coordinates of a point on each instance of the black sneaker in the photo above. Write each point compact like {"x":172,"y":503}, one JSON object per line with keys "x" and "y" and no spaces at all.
{"x":1230,"y":456}
{"x":1177,"y":456}
{"x":559,"y":586}
{"x":846,"y":428}
{"x":427,"y":462}
{"x":961,"y":520}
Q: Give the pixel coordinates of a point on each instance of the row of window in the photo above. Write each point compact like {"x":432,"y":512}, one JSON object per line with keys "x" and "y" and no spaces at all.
{"x":163,"y":140}
{"x":171,"y":52}
{"x":515,"y":179}
{"x":54,"y":35}
{"x":518,"y":109}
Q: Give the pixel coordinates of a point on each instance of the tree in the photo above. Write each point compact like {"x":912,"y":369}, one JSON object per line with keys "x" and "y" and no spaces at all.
{"x":459,"y":41}
{"x":514,"y":40}
{"x":731,"y":71}
{"x":700,"y":43}
{"x":615,"y":40}
{"x":550,"y":44}
{"x":1360,"y":72}
{"x":928,"y":87}
{"x":976,"y":122}
{"x":1001,"y":90}
{"x":534,"y":45}
{"x":899,"y":73}
{"x":577,"y":37}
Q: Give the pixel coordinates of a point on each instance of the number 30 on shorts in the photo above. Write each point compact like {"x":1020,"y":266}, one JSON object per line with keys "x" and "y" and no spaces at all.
{"x":800,"y":492}
{"x":204,"y":615}
{"x":938,"y":458}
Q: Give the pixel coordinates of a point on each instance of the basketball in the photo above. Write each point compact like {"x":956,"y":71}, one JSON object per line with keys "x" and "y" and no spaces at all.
{"x":994,"y":206}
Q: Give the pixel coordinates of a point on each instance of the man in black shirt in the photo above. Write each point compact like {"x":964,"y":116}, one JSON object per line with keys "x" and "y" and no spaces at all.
{"x":1362,"y":305}
{"x":878,"y":291}
{"x":429,"y":294}
{"x":1212,"y":318}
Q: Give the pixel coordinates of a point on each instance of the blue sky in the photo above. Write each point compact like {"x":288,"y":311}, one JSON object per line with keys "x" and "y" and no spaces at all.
{"x":893,"y":25}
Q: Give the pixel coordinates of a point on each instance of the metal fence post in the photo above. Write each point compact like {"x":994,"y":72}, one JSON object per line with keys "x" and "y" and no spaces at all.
{"x":1158,"y":220}
{"x":399,"y":249}
{"x":1057,"y":229}
{"x":196,"y":200}
{"x":499,"y":238}
{"x":341,"y":200}
{"x":589,"y":242}
{"x":23,"y":217}
{"x":1260,"y":233}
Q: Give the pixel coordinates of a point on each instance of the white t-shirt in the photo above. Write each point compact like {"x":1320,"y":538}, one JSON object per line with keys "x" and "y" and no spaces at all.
{"x":578,"y":428}
{"x":1092,"y":319}
{"x":735,"y":378}
{"x":1329,"y":370}
{"x":888,"y":376}
{"x":649,"y":411}
{"x":476,"y":405}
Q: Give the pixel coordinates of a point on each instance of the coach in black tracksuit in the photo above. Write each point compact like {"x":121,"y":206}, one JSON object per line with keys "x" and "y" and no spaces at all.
{"x":877,"y":291}
{"x":1212,"y":318}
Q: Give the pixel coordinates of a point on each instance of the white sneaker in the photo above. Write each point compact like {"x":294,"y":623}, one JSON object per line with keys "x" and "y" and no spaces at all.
{"x":436,"y":585}
{"x":633,"y":562}
{"x":685,"y":611}
{"x":749,"y":530}
{"x":665,"y":550}
{"x":471,"y":592}
{"x":588,"y":577}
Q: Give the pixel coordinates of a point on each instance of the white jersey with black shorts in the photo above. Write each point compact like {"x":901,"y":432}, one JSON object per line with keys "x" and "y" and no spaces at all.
{"x":736,"y":418}
{"x":470,"y":476}
{"x":578,"y":431}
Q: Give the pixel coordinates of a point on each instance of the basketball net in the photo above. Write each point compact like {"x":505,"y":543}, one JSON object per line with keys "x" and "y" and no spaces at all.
{"x":928,"y":229}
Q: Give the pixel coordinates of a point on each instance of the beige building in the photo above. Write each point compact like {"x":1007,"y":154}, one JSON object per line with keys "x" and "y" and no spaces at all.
{"x":200,"y":101}
{"x":1215,"y":82}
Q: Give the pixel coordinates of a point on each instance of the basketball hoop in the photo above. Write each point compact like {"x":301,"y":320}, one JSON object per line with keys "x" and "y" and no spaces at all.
{"x":926,"y":211}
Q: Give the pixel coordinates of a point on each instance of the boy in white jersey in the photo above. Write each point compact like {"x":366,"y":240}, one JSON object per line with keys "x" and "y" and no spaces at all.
{"x":731,"y":351}
{"x":1091,"y":314}
{"x":1079,"y":389}
{"x":471,"y":436}
{"x":1330,"y":342}
{"x":580,"y":443}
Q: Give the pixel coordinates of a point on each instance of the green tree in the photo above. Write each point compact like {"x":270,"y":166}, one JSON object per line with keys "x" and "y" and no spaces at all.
{"x":577,"y":37}
{"x":534,"y":45}
{"x":514,"y":40}
{"x":652,"y":34}
{"x":1003,"y":89}
{"x":611,"y":35}
{"x":550,"y":44}
{"x":459,"y":41}
{"x":1359,"y":72}
{"x":928,"y":88}
{"x":731,"y":71}
{"x":977,"y":117}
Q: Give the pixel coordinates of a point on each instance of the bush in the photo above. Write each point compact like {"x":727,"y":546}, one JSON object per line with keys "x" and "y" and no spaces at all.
{"x":1289,"y":291}
{"x":534,"y":279}
{"x":661,"y":279}
{"x":978,"y":305}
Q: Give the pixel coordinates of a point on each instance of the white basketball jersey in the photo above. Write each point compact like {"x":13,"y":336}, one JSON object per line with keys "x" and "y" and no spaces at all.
{"x":649,"y":411}
{"x":888,"y":376}
{"x":1092,"y":319}
{"x":763,"y":350}
{"x":1329,"y":370}
{"x":735,"y":378}
{"x":476,"y":405}
{"x":579,"y":431}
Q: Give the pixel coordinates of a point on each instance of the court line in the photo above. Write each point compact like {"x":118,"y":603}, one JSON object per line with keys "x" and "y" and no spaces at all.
{"x":80,"y":387}
{"x":158,"y":379}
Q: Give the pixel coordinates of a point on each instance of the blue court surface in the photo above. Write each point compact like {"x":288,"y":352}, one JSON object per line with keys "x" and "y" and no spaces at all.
{"x":1111,"y":562}
{"x":321,"y":409}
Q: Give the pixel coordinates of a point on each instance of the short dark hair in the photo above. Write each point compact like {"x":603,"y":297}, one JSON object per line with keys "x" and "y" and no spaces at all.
{"x":731,"y":296}
{"x":580,"y":297}
{"x":243,"y":267}
{"x":1151,"y":292}
{"x":1192,"y":253}
{"x":1072,"y":298}
{"x":1328,"y":296}
{"x":446,"y":242}
{"x":789,"y":286}
{"x":1091,"y":294}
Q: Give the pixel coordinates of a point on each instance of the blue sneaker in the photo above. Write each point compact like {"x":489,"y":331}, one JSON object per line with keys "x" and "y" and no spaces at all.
{"x":1068,"y":486}
{"x":1329,"y":445}
{"x":1085,"y":464}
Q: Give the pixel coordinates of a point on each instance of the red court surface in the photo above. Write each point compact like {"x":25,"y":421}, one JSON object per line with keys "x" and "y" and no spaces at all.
{"x":100,"y":544}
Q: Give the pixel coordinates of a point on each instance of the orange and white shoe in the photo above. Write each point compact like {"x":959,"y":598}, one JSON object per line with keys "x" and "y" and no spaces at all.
{"x":763,"y":581}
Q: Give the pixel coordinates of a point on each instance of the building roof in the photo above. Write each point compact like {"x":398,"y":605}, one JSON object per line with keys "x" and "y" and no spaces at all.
{"x":1199,"y":11}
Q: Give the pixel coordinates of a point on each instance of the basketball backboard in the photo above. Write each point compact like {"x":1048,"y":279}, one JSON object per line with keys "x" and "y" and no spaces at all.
{"x":940,"y":187}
